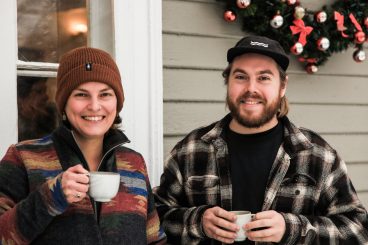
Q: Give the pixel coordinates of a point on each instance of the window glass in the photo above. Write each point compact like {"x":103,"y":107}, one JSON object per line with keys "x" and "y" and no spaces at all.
{"x":46,"y":30}
{"x":49,"y":28}
{"x":37,"y":114}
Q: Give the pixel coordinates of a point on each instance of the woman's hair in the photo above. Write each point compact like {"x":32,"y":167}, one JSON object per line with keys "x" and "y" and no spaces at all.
{"x":284,"y":104}
{"x":117,"y":122}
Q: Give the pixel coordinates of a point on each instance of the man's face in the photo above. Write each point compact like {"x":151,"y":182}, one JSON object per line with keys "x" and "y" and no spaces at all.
{"x":254,"y":90}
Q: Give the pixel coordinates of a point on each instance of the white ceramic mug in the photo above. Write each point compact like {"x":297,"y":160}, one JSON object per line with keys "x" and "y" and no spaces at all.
{"x":103,"y":186}
{"x":242,"y":217}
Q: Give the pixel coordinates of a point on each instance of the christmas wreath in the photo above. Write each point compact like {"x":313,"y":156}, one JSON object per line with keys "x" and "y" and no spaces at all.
{"x":313,"y":36}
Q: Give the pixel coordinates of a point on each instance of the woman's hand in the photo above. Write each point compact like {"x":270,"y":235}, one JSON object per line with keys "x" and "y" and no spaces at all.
{"x":74,"y":183}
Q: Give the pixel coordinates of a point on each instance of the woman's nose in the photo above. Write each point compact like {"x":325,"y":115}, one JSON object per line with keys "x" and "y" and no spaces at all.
{"x":94,"y":105}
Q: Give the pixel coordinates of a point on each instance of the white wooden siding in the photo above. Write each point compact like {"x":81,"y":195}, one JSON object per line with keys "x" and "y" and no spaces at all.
{"x":333,"y":102}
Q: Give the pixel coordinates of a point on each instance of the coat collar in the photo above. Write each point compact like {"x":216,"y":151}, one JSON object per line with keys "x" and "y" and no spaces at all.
{"x":68,"y":150}
{"x":294,"y":139}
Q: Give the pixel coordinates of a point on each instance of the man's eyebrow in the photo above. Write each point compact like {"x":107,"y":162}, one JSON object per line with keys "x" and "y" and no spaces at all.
{"x":238,"y":70}
{"x":266,"y":72}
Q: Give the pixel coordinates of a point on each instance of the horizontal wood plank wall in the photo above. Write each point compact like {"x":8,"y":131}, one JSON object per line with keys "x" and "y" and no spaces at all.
{"x":332,"y":102}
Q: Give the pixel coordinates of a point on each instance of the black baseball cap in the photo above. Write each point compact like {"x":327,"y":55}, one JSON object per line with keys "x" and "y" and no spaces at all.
{"x":260,"y":45}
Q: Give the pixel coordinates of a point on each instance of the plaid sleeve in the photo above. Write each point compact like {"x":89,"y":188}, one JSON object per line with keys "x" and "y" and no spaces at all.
{"x":24,"y":215}
{"x":181,"y":224}
{"x":342,"y":218}
{"x":155,"y":233}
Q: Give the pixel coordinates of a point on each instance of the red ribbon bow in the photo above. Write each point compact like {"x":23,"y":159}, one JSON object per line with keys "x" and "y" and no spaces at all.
{"x":302,"y":29}
{"x":340,"y":23}
{"x":355,"y":22}
{"x":308,"y":60}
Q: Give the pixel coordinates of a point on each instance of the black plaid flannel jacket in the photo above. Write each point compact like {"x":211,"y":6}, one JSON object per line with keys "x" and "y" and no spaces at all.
{"x":308,"y":185}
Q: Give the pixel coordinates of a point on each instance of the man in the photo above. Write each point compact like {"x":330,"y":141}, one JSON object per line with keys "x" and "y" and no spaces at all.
{"x":255,"y":159}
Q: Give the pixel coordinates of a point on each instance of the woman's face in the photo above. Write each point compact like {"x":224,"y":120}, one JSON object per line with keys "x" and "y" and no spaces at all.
{"x":91,"y":110}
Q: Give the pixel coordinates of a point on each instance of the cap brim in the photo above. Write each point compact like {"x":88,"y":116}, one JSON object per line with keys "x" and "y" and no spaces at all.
{"x":281,"y":60}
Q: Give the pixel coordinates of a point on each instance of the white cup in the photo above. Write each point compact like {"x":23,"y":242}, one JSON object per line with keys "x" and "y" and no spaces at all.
{"x":103,"y":186}
{"x":242,"y":217}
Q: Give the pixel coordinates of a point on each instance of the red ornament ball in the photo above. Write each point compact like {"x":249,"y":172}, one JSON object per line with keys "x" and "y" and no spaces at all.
{"x":323,"y":43}
{"x":359,"y":37}
{"x":242,"y":4}
{"x":229,"y":16}
{"x":321,"y":16}
{"x":311,"y":68}
{"x":297,"y":48}
{"x":277,"y":21}
{"x":359,"y":55}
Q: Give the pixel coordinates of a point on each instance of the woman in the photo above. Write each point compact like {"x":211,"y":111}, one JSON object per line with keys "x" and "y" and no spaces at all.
{"x":44,"y":182}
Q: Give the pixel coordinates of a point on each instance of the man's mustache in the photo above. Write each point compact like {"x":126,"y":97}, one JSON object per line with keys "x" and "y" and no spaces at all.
{"x":250,"y":95}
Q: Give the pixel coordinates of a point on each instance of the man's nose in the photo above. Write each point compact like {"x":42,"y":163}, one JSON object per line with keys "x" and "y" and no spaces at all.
{"x":251,"y":86}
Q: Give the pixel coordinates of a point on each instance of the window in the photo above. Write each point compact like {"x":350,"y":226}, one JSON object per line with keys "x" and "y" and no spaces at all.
{"x":46,"y":31}
{"x":131,"y":31}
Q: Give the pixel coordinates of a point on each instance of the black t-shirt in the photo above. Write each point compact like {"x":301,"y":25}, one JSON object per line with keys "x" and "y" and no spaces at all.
{"x":251,"y":159}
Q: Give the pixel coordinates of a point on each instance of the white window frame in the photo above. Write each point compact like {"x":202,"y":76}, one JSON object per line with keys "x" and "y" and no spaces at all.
{"x":138,"y":53}
{"x":8,"y":71}
{"x":36,"y":69}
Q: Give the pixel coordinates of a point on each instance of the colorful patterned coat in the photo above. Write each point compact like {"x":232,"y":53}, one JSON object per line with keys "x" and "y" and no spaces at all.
{"x":34,"y":210}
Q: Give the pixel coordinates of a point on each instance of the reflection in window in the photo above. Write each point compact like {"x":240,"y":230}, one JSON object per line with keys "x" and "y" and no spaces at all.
{"x":46,"y":30}
{"x":37,"y":116}
{"x":49,"y":28}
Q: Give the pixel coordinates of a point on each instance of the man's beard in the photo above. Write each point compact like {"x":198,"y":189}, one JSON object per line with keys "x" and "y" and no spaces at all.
{"x":269,"y":111}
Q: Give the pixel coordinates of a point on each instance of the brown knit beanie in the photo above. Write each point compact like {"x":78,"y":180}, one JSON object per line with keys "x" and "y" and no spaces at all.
{"x":82,"y":65}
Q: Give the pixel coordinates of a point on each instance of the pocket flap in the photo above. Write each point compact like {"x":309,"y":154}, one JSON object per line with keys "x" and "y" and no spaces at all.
{"x":203,"y":181}
{"x":300,"y":178}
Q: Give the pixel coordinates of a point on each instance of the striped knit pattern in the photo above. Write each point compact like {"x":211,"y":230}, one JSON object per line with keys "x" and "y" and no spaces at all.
{"x":34,"y":210}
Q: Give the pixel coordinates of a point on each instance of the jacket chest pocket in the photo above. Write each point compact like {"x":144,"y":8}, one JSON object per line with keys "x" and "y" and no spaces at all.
{"x":202,"y":190}
{"x":297,"y":194}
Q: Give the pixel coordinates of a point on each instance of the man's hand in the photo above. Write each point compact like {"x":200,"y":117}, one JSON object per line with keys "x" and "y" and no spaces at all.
{"x":218,"y":224}
{"x":273,"y":225}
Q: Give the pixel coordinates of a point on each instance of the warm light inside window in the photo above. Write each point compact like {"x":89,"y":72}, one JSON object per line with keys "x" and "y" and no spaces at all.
{"x":78,"y":28}
{"x":74,"y":21}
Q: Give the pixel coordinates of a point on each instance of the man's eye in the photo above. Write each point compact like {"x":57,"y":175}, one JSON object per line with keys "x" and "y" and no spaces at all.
{"x":264,"y":78}
{"x":239,"y":77}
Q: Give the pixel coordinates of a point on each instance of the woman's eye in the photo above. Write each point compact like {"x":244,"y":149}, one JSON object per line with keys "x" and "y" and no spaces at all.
{"x":106,"y":94}
{"x":80,"y":95}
